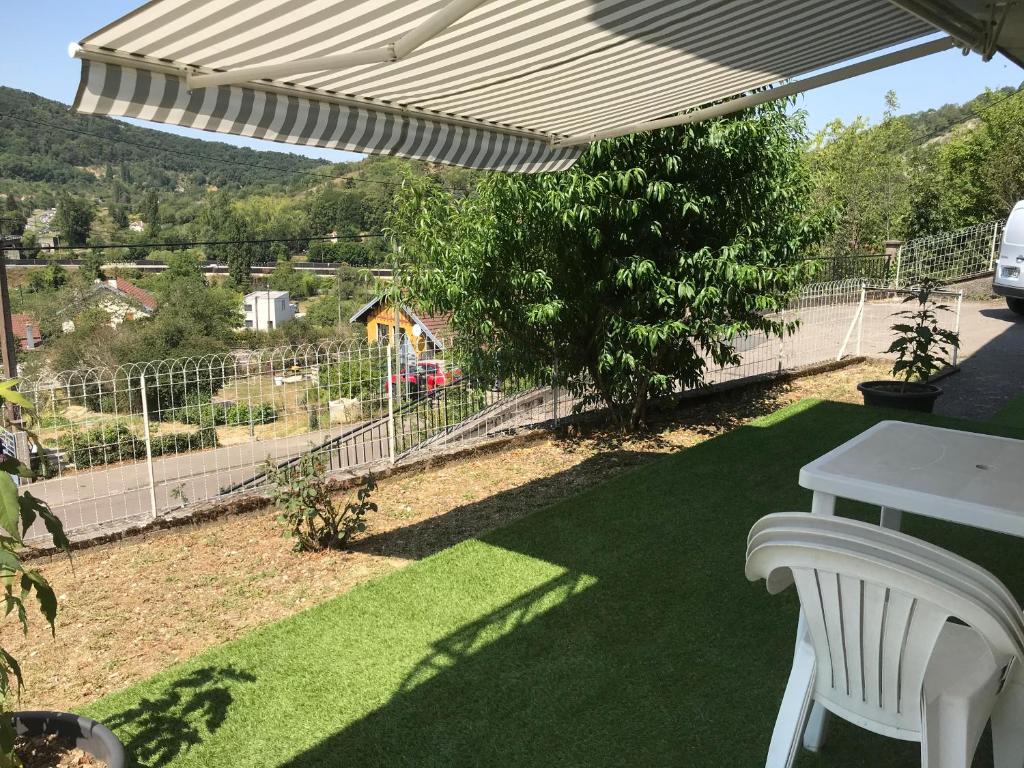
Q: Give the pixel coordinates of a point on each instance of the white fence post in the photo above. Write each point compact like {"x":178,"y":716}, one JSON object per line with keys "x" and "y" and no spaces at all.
{"x":782,"y":339}
{"x":860,"y":322}
{"x":149,"y":446}
{"x":956,"y":327}
{"x":992,"y":250}
{"x":899,"y":264}
{"x":392,"y":384}
{"x":554,"y":395}
{"x":857,"y":318}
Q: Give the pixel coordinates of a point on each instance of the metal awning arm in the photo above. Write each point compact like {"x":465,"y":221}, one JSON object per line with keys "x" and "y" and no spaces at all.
{"x":971,"y":33}
{"x":394,"y":51}
{"x":769,"y":94}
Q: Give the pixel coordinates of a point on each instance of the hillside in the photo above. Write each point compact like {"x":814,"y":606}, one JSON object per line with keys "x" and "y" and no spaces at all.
{"x":44,"y":144}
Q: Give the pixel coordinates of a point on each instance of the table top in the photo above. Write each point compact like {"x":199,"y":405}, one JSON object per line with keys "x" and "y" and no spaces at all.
{"x":948,"y":474}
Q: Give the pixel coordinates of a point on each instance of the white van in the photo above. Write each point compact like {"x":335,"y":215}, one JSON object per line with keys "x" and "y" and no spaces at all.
{"x":1008,"y":280}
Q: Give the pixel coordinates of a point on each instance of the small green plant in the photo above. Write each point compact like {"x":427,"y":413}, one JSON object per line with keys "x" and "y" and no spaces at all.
{"x":303,"y":497}
{"x":18,"y":511}
{"x":922,"y":347}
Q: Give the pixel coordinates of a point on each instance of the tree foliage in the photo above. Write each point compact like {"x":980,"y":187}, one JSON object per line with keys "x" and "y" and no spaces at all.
{"x":635,"y":270}
{"x":74,"y":219}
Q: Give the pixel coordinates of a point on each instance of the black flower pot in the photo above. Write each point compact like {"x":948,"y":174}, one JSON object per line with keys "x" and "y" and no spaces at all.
{"x":912,"y":396}
{"x":88,"y":735}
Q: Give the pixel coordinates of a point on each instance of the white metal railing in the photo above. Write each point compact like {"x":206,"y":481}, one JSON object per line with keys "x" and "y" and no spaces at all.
{"x":126,"y":445}
{"x":948,"y":257}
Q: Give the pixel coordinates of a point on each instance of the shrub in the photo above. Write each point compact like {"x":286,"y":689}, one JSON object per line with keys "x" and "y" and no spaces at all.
{"x":116,"y":442}
{"x":199,"y":411}
{"x":361,"y":377}
{"x":302,"y":495}
{"x":101,"y":445}
{"x":922,"y":347}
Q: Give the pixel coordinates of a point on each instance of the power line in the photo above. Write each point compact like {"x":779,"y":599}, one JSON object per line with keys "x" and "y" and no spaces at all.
{"x":154,"y":148}
{"x":195,"y":243}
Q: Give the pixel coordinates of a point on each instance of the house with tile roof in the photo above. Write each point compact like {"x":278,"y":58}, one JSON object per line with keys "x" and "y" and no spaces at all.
{"x":422,"y":334}
{"x":125,"y":300}
{"x":26,"y":331}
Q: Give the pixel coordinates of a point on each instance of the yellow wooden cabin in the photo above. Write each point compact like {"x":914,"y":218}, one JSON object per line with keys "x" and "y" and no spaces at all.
{"x":422,"y":335}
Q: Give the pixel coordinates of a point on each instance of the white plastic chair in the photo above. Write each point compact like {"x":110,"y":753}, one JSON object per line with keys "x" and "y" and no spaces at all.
{"x":875,"y":646}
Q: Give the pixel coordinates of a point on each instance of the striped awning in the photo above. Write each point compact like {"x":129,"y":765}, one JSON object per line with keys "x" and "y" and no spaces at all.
{"x":519,"y":85}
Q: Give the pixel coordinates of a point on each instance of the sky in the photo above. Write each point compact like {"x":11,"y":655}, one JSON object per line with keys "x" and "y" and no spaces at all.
{"x":34,"y":57}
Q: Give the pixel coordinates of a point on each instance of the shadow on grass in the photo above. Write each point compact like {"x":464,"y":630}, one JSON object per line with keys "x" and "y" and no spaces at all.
{"x":185,"y":712}
{"x":426,"y":537}
{"x":651,"y":649}
{"x":705,"y":416}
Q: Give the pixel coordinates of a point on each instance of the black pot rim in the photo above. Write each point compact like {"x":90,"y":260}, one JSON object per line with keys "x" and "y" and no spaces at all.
{"x":914,"y":388}
{"x":89,"y":735}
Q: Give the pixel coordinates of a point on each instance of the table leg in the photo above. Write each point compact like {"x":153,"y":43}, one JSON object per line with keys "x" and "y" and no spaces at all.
{"x":823,"y":504}
{"x":891,"y":518}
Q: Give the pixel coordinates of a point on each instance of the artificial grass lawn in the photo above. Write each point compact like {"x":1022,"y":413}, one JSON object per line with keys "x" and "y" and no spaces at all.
{"x":1012,"y":413}
{"x":614,"y":628}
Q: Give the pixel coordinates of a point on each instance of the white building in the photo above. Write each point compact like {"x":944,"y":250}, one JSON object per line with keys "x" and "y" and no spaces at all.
{"x":267,"y":309}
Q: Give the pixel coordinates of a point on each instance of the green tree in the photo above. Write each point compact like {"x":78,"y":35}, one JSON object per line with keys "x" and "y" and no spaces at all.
{"x":866,"y":173}
{"x":976,"y":174}
{"x":74,"y":219}
{"x":119,"y":216}
{"x":29,"y":245}
{"x":220,"y":222}
{"x":151,"y":212}
{"x":632,"y":272}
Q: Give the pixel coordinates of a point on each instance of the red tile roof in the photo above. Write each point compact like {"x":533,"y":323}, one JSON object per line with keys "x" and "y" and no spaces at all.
{"x":437,"y":325}
{"x":144,"y":297}
{"x":18,"y":323}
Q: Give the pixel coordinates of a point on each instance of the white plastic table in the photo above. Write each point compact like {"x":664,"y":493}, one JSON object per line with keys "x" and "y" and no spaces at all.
{"x":962,"y":477}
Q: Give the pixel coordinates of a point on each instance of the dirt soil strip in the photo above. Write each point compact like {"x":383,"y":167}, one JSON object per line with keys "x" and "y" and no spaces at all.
{"x":131,"y":608}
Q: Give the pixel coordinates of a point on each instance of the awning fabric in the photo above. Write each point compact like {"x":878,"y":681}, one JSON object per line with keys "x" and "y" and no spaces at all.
{"x":501,"y":87}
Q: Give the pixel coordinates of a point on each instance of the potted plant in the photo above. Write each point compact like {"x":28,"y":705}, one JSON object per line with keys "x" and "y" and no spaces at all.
{"x":922,"y":348}
{"x":58,"y":735}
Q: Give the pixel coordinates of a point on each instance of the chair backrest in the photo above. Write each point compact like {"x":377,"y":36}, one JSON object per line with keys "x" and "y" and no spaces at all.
{"x":874,"y":612}
{"x":957,"y":571}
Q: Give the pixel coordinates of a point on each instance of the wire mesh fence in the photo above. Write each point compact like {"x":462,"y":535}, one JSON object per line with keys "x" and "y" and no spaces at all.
{"x":125,"y":446}
{"x":948,"y":257}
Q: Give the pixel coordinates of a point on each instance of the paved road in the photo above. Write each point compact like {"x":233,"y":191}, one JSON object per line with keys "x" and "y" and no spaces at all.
{"x":96,"y":498}
{"x":992,"y":371}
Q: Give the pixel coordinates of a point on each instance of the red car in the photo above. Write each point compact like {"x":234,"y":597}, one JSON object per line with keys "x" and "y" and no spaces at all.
{"x":424,"y":377}
{"x":436,"y":374}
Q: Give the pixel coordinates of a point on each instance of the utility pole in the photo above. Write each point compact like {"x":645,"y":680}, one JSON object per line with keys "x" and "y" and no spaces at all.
{"x":7,"y":340}
{"x":337,"y":289}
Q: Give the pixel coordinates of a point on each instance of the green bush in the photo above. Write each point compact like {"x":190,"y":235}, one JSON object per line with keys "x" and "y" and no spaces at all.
{"x":198,"y":410}
{"x":116,"y":442}
{"x":360,"y":377}
{"x":306,"y":508}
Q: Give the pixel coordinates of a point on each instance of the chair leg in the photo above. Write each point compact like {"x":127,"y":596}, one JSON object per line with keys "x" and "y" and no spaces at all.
{"x":817,"y":728}
{"x":796,"y":705}
{"x":1008,"y":723}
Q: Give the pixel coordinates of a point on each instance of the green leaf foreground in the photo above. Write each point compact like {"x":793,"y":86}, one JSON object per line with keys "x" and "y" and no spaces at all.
{"x":18,"y":512}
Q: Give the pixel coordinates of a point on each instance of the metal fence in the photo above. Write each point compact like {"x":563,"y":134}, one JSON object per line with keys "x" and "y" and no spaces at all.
{"x":125,"y":446}
{"x":949,"y":257}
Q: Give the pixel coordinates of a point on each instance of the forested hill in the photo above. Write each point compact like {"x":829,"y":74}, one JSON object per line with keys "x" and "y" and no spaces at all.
{"x":932,"y":123}
{"x":43,"y":142}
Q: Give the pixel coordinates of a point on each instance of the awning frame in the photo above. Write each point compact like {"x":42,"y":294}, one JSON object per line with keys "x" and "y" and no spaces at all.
{"x":386,"y":54}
